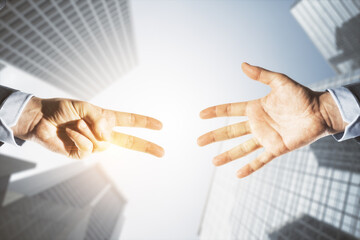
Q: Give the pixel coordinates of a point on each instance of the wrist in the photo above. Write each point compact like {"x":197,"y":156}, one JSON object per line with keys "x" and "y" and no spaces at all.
{"x":331,"y":114}
{"x":30,"y":117}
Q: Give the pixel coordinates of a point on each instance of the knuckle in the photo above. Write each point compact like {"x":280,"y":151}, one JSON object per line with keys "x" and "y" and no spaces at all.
{"x":148,"y":147}
{"x":130,"y":142}
{"x":64,"y":103}
{"x":256,"y":164}
{"x":244,"y":147}
{"x":229,"y":156}
{"x":251,"y":169}
{"x":147,"y":122}
{"x":212,"y":136}
{"x":230,"y":131}
{"x":228,"y":109}
{"x":132,"y":119}
{"x":264,"y":160}
{"x":81,"y":107}
{"x":217,"y":111}
{"x":84,"y":104}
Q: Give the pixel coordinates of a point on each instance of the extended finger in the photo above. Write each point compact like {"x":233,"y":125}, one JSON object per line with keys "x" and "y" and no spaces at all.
{"x":102,"y":120}
{"x":255,"y":165}
{"x":135,"y":120}
{"x":83,"y":145}
{"x":261,"y":74}
{"x":225,"y":110}
{"x":137,"y":144}
{"x":224,"y":133}
{"x":237,"y":152}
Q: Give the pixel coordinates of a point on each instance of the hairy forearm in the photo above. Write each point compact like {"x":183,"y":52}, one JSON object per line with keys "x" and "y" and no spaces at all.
{"x":28,"y":120}
{"x":331,"y":114}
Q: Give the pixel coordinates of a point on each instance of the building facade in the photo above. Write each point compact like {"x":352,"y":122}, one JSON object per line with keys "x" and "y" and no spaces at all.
{"x":75,"y":201}
{"x":333,"y":26}
{"x":79,"y":46}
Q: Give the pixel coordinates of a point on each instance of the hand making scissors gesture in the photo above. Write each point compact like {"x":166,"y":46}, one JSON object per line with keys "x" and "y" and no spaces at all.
{"x":76,"y":128}
{"x":289,"y":117}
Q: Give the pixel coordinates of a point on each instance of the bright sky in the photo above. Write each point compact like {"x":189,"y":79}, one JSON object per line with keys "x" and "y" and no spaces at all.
{"x":190,"y":54}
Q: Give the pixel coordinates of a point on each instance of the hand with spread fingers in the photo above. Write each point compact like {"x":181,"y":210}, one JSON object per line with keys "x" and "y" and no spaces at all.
{"x":77,"y":129}
{"x":289,"y":117}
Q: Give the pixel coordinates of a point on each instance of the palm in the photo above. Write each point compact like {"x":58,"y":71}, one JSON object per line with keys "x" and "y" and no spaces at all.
{"x":286,"y":119}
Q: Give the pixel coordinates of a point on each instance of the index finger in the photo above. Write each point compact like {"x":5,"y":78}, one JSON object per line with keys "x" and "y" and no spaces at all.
{"x":225,"y":110}
{"x":135,"y":120}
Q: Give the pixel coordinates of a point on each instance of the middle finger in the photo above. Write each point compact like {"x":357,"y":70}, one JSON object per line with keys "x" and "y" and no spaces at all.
{"x":224,"y":133}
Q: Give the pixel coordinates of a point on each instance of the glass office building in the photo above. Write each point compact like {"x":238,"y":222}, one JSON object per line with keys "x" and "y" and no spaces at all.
{"x":310,"y":193}
{"x":75,"y":201}
{"x":78,"y":46}
{"x":333,"y":26}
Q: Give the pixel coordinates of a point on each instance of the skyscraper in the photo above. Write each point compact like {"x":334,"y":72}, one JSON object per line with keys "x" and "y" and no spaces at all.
{"x":333,"y":26}
{"x":310,"y":193}
{"x":76,"y":201}
{"x":78,"y":46}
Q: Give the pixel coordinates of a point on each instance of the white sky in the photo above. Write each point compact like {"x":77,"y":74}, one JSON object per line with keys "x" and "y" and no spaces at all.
{"x":190,"y":54}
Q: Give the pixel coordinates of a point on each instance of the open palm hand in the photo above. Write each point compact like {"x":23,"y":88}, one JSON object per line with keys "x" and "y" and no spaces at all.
{"x":289,"y":117}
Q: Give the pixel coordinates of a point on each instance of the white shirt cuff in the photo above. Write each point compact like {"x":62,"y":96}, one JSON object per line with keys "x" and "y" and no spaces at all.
{"x":10,"y":112}
{"x":350,"y":112}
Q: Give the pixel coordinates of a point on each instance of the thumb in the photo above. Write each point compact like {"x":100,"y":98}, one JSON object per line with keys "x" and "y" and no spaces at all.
{"x":262,"y":75}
